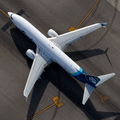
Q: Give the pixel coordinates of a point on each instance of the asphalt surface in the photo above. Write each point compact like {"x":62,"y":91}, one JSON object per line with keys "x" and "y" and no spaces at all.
{"x":97,"y":53}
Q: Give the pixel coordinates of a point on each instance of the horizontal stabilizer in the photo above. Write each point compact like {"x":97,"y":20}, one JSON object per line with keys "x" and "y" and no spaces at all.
{"x":87,"y":92}
{"x":104,"y":78}
{"x":89,"y":88}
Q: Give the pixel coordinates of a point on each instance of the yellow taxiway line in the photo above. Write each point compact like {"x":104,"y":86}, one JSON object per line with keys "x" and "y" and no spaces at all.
{"x":105,"y":99}
{"x":57,"y":102}
{"x":41,"y":111}
{"x":88,"y":14}
{"x":4,"y":13}
{"x":72,"y":28}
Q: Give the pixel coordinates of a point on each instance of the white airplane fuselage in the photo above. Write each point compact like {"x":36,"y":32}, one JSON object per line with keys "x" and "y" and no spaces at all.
{"x":52,"y":52}
{"x":43,"y":42}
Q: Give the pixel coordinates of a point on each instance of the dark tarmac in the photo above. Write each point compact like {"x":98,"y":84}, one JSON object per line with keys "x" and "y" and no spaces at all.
{"x":97,"y":53}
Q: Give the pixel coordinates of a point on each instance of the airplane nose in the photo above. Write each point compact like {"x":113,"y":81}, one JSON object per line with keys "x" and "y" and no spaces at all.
{"x":10,"y":14}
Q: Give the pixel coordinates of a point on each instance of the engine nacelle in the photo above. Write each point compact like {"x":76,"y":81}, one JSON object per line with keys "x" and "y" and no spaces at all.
{"x":30,"y":53}
{"x":52,"y":33}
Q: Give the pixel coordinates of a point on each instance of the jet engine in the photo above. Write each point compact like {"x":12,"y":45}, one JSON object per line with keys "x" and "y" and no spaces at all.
{"x":30,"y":53}
{"x":52,"y":33}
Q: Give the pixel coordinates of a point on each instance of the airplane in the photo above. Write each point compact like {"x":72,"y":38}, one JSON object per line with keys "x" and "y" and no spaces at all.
{"x":51,"y":49}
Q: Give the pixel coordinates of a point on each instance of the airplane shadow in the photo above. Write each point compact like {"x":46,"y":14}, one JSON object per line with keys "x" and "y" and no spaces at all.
{"x":23,"y":43}
{"x":117,"y":118}
{"x":58,"y":77}
{"x":37,"y":94}
{"x":72,"y":90}
{"x":80,"y":55}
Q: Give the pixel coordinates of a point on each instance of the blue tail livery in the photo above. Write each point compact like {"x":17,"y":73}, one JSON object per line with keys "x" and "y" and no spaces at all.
{"x":91,"y":82}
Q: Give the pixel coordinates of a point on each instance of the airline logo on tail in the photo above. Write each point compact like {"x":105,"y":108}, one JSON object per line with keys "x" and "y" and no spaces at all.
{"x":93,"y":80}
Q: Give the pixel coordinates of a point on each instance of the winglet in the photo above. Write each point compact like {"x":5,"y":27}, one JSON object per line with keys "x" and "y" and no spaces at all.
{"x":103,"y":24}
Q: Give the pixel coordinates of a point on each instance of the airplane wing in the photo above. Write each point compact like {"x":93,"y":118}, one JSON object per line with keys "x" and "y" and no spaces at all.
{"x":41,"y":60}
{"x":70,"y":37}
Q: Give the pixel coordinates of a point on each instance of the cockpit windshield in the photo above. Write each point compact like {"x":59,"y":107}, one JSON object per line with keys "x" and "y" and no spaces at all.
{"x":11,"y":16}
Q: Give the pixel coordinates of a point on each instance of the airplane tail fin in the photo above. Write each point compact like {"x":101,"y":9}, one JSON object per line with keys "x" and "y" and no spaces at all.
{"x":89,"y":88}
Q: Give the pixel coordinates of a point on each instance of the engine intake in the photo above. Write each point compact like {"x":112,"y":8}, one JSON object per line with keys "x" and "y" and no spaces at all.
{"x":30,"y":53}
{"x":52,"y":33}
